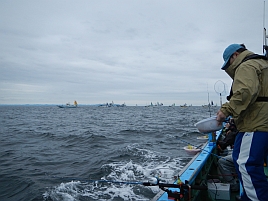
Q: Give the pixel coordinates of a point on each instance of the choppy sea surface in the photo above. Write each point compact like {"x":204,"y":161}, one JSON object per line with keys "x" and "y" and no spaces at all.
{"x":59,"y":154}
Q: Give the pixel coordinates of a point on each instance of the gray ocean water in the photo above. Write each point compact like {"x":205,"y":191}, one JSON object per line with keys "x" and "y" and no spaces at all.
{"x":54,"y":154}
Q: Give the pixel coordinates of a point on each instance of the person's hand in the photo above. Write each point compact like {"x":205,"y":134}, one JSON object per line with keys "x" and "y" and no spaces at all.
{"x":220,"y":117}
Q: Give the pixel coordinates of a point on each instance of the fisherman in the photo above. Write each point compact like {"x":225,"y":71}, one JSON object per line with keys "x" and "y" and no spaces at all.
{"x":230,"y":132}
{"x":226,"y":165}
{"x":248,"y":105}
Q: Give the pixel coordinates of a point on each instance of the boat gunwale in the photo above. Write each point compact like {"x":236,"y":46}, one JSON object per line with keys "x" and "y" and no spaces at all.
{"x":196,"y":166}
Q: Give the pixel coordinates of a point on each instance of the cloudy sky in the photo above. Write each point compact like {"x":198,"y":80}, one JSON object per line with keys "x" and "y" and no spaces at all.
{"x":126,"y":51}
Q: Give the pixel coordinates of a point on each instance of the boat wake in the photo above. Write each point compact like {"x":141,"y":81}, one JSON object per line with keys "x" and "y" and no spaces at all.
{"x":150,"y":164}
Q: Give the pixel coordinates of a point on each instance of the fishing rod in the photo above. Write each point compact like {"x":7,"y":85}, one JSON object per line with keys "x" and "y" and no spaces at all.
{"x":185,"y":188}
{"x":153,"y":181}
{"x":206,"y":150}
{"x":208,"y":103}
{"x":98,"y":181}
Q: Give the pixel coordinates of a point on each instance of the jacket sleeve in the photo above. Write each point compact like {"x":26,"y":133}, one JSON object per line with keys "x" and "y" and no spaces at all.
{"x":245,"y":90}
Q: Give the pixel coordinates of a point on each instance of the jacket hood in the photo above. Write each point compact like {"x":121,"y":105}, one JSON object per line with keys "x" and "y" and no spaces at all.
{"x":232,"y":68}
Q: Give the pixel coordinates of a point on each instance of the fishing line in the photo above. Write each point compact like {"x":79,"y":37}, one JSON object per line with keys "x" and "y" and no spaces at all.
{"x":206,"y":151}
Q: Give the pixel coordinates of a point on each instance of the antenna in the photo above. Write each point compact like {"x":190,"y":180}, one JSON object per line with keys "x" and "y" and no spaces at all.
{"x":208,"y":103}
{"x":264,"y":14}
{"x":265,"y":47}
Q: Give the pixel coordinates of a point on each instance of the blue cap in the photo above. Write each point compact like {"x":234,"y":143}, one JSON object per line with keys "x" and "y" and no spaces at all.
{"x":228,"y":52}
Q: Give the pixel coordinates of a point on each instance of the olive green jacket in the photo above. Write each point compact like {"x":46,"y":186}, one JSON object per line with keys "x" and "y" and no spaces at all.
{"x":250,"y":80}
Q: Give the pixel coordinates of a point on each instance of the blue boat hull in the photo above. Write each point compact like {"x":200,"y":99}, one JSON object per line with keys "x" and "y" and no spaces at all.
{"x":196,"y":172}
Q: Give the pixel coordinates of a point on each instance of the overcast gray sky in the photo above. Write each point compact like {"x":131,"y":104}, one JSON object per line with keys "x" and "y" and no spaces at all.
{"x":132,"y":51}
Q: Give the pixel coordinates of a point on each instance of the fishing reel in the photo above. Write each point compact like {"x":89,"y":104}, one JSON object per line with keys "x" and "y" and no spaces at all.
{"x":176,"y":195}
{"x":184,"y":189}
